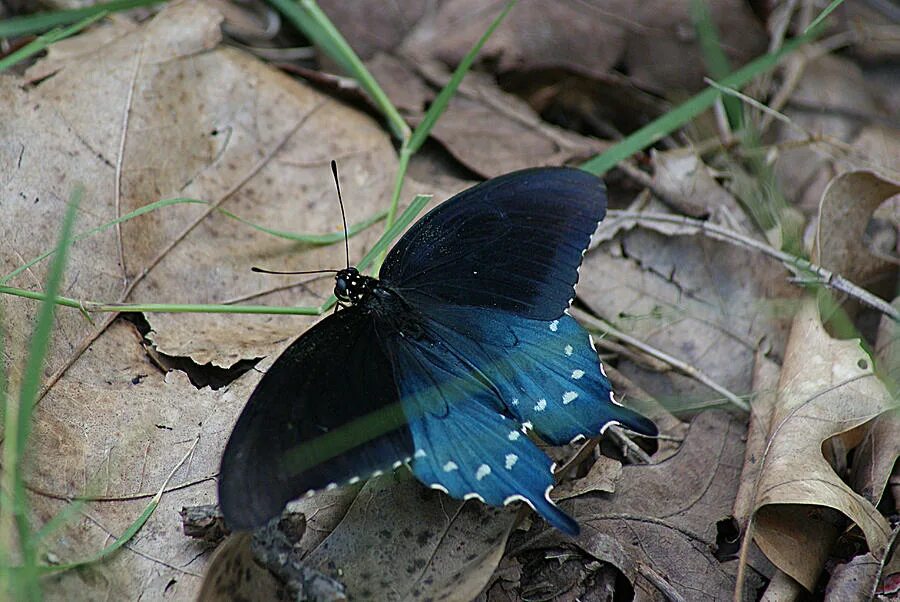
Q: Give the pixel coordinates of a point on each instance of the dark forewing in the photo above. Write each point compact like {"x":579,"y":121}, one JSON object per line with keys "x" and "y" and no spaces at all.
{"x":512,"y":243}
{"x":289,"y":439}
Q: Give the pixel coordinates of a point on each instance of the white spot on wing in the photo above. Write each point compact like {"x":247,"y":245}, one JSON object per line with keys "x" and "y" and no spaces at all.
{"x":547,"y":493}
{"x":541,"y":405}
{"x":473,"y":496}
{"x":527,"y":425}
{"x":450,"y":466}
{"x":420,"y":453}
{"x":353,"y":480}
{"x":377,"y":473}
{"x":554,"y":325}
{"x":515,"y":401}
{"x":397,"y":464}
{"x":576,"y":374}
{"x":569,"y":397}
{"x":439,"y":487}
{"x":609,"y":424}
{"x":511,"y":460}
{"x":602,"y":371}
{"x":513,"y":435}
{"x":569,"y":350}
{"x":483,"y":471}
{"x":591,"y":339}
{"x":330,"y":486}
{"x":517,"y":498}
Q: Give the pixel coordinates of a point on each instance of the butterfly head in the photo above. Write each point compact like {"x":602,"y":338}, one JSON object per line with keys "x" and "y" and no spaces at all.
{"x":351,"y":287}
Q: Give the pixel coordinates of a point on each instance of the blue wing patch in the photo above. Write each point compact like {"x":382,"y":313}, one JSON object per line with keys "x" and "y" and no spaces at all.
{"x":464,"y":445}
{"x":546,"y":372}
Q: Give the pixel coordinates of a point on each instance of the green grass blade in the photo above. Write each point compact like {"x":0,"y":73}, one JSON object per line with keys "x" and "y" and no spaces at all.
{"x":128,"y":216}
{"x":59,"y":519}
{"x":120,"y":541}
{"x":677,"y":117}
{"x":176,"y":308}
{"x":717,"y":63}
{"x":313,"y":239}
{"x":405,"y":218}
{"x":315,"y":24}
{"x":823,"y":15}
{"x":434,"y":112}
{"x":440,"y":103}
{"x":380,"y":248}
{"x":19,"y":412}
{"x":310,"y":239}
{"x":38,"y":22}
{"x":41,"y":43}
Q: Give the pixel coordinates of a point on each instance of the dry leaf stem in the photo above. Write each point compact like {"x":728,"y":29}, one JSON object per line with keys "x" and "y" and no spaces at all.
{"x":676,"y":363}
{"x":812,"y":272}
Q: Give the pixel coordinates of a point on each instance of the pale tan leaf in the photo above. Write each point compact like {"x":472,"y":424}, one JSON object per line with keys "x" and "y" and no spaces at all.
{"x":846,"y":208}
{"x":827,"y":387}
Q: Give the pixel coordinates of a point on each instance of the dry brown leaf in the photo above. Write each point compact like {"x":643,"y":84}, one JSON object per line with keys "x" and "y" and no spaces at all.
{"x":846,"y":208}
{"x":233,"y":574}
{"x":114,"y":427}
{"x":534,"y":35}
{"x":853,"y":581}
{"x":827,"y":387}
{"x":487,"y":130}
{"x":402,"y":541}
{"x":704,"y":302}
{"x":369,"y":29}
{"x":878,"y":454}
{"x":686,"y":181}
{"x":655,"y":41}
{"x":662,"y":520}
{"x":601,"y":477}
{"x":830,"y":91}
{"x":201,"y":123}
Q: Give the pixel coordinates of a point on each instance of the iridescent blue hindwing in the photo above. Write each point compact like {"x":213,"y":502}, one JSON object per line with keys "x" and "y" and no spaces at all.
{"x":464,"y":445}
{"x":546,"y":372}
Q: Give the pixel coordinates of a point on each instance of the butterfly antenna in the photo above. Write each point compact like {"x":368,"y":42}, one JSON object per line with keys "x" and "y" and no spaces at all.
{"x":337,"y":185}
{"x":265,"y":271}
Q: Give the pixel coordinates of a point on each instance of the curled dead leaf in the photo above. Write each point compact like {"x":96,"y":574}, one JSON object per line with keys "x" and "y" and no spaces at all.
{"x":845,"y":210}
{"x":827,"y":388}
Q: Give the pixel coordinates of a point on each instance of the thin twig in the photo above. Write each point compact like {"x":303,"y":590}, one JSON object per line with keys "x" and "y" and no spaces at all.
{"x":819,"y":274}
{"x":115,"y":498}
{"x":120,"y":160}
{"x":622,"y":437}
{"x":660,"y":583}
{"x":676,"y":363}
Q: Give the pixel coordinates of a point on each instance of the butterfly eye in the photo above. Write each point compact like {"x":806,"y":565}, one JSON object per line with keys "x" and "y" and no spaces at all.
{"x":340,"y":287}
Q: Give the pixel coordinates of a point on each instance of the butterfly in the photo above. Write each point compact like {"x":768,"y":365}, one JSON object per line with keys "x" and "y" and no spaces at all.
{"x":445,"y":362}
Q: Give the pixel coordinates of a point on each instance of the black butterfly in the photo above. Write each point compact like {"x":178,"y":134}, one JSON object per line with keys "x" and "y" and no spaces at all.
{"x":443,"y":362}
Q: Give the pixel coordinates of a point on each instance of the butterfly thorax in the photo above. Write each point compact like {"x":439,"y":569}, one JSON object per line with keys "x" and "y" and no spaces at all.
{"x":375,"y":297}
{"x":351,"y":287}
